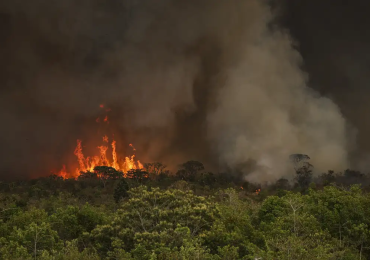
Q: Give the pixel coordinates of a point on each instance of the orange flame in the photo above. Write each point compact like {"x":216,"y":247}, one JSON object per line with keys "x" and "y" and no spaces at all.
{"x":63,"y":172}
{"x":89,"y":163}
{"x":114,"y":154}
{"x":80,"y":156}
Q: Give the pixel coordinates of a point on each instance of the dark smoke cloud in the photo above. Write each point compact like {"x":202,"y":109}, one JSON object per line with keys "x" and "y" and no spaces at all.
{"x":333,"y":39}
{"x":214,"y":81}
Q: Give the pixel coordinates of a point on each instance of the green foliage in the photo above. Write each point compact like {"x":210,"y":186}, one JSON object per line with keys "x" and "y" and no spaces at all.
{"x":32,"y":240}
{"x":71,"y":222}
{"x":70,"y":252}
{"x":194,"y":214}
{"x":234,"y":227}
{"x":25,"y":218}
{"x":272,"y":208}
{"x":154,"y":218}
{"x":9,"y":205}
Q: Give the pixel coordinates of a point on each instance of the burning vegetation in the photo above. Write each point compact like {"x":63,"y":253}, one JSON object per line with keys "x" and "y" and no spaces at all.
{"x":102,"y":159}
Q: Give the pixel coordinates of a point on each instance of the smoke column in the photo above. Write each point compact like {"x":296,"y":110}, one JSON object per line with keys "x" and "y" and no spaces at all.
{"x":209,"y":80}
{"x":333,"y":39}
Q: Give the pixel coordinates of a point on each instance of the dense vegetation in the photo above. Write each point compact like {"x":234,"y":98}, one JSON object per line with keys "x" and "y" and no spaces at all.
{"x":192,"y":214}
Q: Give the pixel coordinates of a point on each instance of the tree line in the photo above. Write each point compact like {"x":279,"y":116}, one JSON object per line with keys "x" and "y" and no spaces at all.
{"x":190,"y":214}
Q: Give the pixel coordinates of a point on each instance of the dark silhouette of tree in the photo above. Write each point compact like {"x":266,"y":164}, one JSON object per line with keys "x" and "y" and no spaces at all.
{"x":328,"y":178}
{"x":282,"y":184}
{"x":121,"y":190}
{"x":304,"y":176}
{"x":156,"y":170}
{"x":189,"y":170}
{"x":139,"y":175}
{"x":353,"y":174}
{"x":87,"y":175}
{"x":105,"y":173}
{"x":207,"y":179}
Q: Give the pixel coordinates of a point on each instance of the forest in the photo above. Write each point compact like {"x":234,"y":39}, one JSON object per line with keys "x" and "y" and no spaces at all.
{"x":154,"y":214}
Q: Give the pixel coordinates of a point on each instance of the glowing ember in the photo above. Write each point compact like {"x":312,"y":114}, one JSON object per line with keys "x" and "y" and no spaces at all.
{"x":133,"y":148}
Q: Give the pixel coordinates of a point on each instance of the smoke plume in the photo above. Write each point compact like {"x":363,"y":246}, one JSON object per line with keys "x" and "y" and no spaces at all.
{"x":210,"y":80}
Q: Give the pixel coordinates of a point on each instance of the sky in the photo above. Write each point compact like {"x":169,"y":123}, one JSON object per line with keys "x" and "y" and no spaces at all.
{"x":238,"y":85}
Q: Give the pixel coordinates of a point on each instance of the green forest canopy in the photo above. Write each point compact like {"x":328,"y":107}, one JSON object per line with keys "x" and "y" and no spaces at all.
{"x":191,"y":214}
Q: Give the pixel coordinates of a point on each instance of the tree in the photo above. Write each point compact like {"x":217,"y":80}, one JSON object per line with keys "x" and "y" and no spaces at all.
{"x":234,"y":228}
{"x":343,"y":213}
{"x":304,"y":176}
{"x":72,"y":221}
{"x":121,"y":191}
{"x":155,"y":170}
{"x":71,"y":252}
{"x":88,"y":175}
{"x":292,"y":232}
{"x":33,"y":238}
{"x":327,"y":178}
{"x":283,"y":184}
{"x":8,"y":206}
{"x":272,"y":208}
{"x":206,"y":179}
{"x":150,"y":217}
{"x":189,"y":170}
{"x":106,"y":173}
{"x":361,"y":236}
{"x":138,"y":175}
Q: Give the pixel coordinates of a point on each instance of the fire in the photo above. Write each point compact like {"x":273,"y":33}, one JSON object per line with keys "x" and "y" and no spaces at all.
{"x":114,"y":154}
{"x":63,"y":172}
{"x":89,"y":163}
{"x":86,"y":164}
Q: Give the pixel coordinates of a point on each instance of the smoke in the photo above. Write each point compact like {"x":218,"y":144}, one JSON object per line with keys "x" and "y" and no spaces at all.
{"x":209,"y":80}
{"x":333,"y":43}
{"x":266,"y":112}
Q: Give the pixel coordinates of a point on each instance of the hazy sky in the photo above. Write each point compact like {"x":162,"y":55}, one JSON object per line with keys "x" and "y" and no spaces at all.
{"x":229,"y":83}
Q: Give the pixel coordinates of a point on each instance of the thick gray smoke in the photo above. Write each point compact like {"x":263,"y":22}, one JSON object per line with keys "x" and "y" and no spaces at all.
{"x":209,"y":80}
